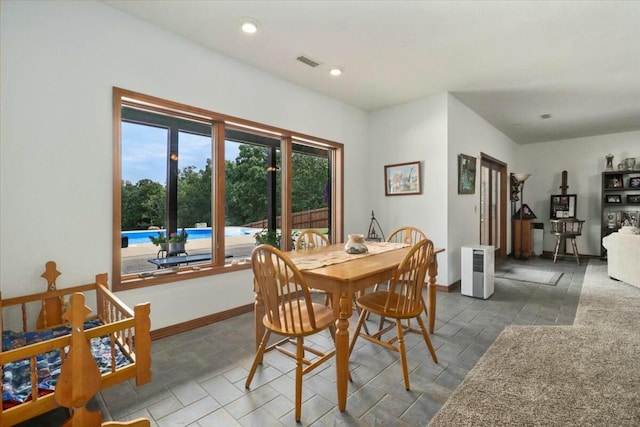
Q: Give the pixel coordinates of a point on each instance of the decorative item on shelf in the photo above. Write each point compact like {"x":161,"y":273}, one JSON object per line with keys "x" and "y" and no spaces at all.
{"x":630,"y":163}
{"x":614,"y":181}
{"x":373,"y":235}
{"x":633,"y":198}
{"x":355,"y":244}
{"x":621,"y":166}
{"x":527,"y":213}
{"x":634,"y":182}
{"x":614,"y":198}
{"x":609,"y":167}
{"x":629,"y":219}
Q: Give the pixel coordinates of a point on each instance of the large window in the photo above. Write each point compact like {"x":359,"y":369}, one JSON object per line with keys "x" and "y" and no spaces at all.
{"x":222,"y":184}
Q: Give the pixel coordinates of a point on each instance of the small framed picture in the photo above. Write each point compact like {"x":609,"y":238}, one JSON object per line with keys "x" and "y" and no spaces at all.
{"x":633,"y":198}
{"x":634,"y":182}
{"x":614,"y":198}
{"x":402,"y":179}
{"x":614,"y":181}
{"x":466,"y":174}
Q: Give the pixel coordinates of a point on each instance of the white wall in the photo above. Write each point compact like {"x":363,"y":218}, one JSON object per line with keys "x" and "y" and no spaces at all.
{"x":59,"y":62}
{"x":415,"y":131}
{"x":470,"y":134}
{"x":584,"y":160}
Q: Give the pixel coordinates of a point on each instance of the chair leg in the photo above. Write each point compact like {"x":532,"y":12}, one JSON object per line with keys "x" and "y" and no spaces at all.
{"x":258,"y":358}
{"x":361,"y":319}
{"x":403,"y":353}
{"x":299,"y":357}
{"x":575,"y":250}
{"x":427,"y":340}
{"x":555,"y":252}
{"x":359,"y":311}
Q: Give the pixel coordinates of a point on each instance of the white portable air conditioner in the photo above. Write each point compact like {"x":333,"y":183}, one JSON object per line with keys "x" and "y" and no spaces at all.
{"x":477,"y":271}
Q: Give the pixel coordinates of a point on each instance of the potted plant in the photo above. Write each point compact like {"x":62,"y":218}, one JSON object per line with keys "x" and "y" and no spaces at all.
{"x":268,"y":237}
{"x":177,"y":242}
{"x":159,"y":240}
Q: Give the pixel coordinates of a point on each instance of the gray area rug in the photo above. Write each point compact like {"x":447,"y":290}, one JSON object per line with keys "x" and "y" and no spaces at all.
{"x":530,"y":275}
{"x":587,"y":374}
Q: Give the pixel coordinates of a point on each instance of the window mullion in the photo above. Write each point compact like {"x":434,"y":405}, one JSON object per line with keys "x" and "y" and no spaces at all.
{"x":172,"y":182}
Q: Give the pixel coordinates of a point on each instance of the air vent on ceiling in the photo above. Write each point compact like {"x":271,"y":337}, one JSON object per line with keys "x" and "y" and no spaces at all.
{"x":306,"y":60}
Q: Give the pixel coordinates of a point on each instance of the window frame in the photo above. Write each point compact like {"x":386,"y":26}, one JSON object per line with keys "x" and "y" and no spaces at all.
{"x":219,"y":123}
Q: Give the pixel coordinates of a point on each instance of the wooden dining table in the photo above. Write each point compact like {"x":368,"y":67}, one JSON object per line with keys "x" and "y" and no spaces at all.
{"x":342,"y":280}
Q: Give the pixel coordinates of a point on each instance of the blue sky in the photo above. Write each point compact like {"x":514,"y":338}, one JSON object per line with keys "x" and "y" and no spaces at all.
{"x":144,"y":152}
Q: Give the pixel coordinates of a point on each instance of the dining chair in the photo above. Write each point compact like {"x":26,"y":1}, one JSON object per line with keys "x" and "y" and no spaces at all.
{"x":289,"y":312}
{"x":409,"y":235}
{"x":311,"y":239}
{"x":403,"y":300}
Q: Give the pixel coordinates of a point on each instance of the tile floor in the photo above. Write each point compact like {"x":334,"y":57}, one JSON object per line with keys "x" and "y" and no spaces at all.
{"x":198,"y":376}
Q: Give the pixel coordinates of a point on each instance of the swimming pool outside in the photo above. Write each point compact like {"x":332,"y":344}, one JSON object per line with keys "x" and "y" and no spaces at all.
{"x":138,"y":237}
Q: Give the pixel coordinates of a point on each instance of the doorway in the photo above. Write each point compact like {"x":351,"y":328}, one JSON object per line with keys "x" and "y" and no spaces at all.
{"x":493,"y":204}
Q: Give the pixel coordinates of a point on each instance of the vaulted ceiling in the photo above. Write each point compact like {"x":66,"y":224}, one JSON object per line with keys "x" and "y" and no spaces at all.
{"x":510,"y":61}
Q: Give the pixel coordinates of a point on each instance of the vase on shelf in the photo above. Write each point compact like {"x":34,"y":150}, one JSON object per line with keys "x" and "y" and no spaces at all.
{"x":609,"y":162}
{"x":355,"y":244}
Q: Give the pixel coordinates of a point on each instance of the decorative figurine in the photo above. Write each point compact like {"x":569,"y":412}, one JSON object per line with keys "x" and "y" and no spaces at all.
{"x":609,"y":162}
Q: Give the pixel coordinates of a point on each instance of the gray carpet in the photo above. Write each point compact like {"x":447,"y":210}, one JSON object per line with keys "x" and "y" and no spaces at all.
{"x":530,"y":275}
{"x":587,"y":374}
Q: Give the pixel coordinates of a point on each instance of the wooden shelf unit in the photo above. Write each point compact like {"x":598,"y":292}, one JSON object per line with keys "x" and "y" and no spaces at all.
{"x":616,"y":205}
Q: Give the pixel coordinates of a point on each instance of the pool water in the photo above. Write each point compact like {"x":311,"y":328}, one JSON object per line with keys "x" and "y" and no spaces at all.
{"x":142,"y":236}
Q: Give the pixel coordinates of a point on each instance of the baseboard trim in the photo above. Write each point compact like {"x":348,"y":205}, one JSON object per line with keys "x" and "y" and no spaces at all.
{"x":448,"y":288}
{"x":199,"y":322}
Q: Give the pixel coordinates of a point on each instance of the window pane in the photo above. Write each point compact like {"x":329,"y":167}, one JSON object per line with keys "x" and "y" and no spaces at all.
{"x":247,"y":188}
{"x":194,"y":191}
{"x":310,"y":189}
{"x":144,"y":166}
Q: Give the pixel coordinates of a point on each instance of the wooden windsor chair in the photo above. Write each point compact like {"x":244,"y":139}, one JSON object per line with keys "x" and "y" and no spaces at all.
{"x":409,"y":235}
{"x":403,"y":300}
{"x":566,"y":229}
{"x":289,"y":312}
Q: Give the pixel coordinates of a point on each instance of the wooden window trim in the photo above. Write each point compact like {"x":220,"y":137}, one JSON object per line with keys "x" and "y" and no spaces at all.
{"x":219,"y":122}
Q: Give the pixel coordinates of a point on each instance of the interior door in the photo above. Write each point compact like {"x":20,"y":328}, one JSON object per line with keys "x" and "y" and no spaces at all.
{"x":493,"y":204}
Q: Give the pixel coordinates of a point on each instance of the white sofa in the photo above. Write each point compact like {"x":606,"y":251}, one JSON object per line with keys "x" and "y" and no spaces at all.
{"x":623,"y":255}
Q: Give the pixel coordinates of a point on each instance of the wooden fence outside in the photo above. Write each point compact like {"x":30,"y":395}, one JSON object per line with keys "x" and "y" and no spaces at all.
{"x":316,"y":218}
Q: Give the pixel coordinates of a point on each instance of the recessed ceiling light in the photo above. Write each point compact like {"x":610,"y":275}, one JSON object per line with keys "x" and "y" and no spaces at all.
{"x":335,"y":71}
{"x":249,"y":26}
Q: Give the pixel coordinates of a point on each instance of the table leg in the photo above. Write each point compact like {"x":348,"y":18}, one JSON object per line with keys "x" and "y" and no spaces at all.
{"x":258,"y":314}
{"x":431,"y":293}
{"x":342,"y":347}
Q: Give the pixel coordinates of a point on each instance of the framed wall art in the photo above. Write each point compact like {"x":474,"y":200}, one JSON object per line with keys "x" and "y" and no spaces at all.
{"x":563,"y":206}
{"x":402,"y":179}
{"x":466,"y":174}
{"x":614,"y":198}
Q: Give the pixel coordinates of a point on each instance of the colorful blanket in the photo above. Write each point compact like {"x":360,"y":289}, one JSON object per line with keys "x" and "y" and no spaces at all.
{"x":16,"y":376}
